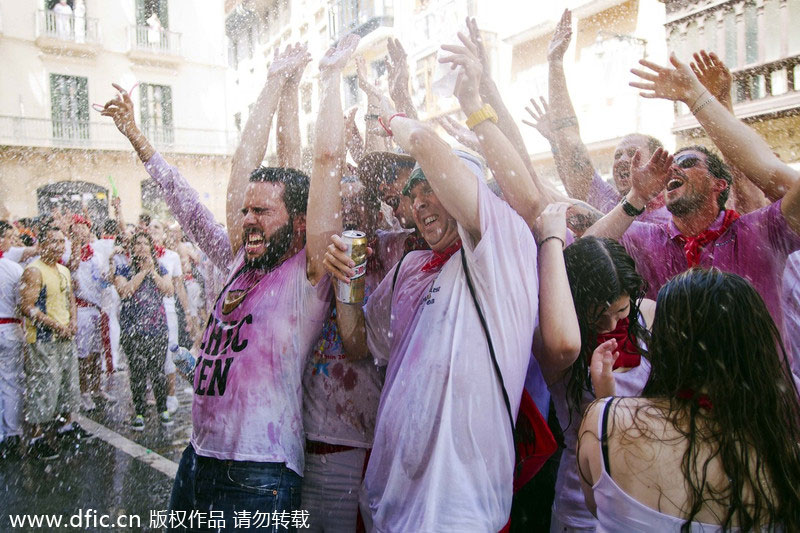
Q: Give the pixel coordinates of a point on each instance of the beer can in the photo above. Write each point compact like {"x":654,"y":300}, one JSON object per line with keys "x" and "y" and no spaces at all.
{"x":353,"y":292}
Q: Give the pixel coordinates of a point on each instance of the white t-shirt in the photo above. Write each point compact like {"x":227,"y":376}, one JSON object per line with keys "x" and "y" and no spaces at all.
{"x":171,"y":262}
{"x":443,"y":453}
{"x":10,"y":274}
{"x":14,"y":254}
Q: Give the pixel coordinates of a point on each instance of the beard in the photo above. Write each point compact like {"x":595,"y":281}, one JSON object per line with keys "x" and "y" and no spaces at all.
{"x":685,"y":206}
{"x":277,"y":246}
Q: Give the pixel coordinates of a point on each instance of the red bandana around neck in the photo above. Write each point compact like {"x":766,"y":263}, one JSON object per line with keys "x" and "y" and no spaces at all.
{"x":629,"y":356}
{"x":86,"y":252}
{"x":702,"y":399}
{"x":160,"y":250}
{"x":440,"y":258}
{"x":2,"y":253}
{"x":692,"y":246}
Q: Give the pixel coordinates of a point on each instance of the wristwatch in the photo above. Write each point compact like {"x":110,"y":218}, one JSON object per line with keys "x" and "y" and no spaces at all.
{"x":630,"y":209}
{"x":487,"y":112}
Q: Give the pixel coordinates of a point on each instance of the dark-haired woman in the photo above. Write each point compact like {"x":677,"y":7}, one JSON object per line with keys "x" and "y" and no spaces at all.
{"x":142,"y":284}
{"x":589,"y":294}
{"x":712,"y":443}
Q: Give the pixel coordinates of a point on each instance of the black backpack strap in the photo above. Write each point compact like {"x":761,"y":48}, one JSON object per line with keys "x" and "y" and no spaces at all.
{"x":397,"y":271}
{"x":496,"y":366}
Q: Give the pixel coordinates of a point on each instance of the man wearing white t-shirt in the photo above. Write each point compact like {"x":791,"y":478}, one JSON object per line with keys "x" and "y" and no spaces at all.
{"x":12,"y":376}
{"x":443,"y":453}
{"x":171,"y":261}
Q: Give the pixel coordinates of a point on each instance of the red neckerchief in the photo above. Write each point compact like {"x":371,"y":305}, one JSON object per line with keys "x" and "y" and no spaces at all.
{"x":692,"y":246}
{"x":188,"y":277}
{"x":702,"y":399}
{"x":2,"y":253}
{"x":86,"y":252}
{"x":160,"y":250}
{"x":629,"y":356}
{"x":440,"y":258}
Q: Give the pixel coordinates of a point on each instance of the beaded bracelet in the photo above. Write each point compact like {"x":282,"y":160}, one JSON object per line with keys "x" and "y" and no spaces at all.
{"x":563,"y":244}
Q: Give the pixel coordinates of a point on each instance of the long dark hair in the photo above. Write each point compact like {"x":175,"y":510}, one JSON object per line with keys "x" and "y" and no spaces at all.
{"x":600,"y":271}
{"x":135,"y":260}
{"x":713,"y":333}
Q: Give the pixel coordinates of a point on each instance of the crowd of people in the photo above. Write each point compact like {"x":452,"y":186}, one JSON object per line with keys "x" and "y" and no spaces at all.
{"x":621,"y":357}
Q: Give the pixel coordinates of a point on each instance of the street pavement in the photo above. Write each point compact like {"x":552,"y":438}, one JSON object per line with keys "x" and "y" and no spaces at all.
{"x":109,"y":475}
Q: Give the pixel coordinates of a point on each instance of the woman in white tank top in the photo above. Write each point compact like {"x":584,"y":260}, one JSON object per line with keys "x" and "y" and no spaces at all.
{"x":713,"y":443}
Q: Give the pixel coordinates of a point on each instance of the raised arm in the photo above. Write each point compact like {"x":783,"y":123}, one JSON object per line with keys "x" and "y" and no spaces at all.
{"x":289,"y":146}
{"x":255,"y":136}
{"x":716,"y":77}
{"x":738,"y":143}
{"x":579,"y":170}
{"x":647,"y":180}
{"x":353,"y":140}
{"x":373,"y":142}
{"x":397,"y":69}
{"x":182,"y":199}
{"x":324,"y":199}
{"x":519,"y":187}
{"x":558,"y":339}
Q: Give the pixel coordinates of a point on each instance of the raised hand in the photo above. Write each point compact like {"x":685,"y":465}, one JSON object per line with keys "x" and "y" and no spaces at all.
{"x":459,"y":132}
{"x":364,"y":84}
{"x":289,"y":64}
{"x":397,"y":68}
{"x":561,"y":38}
{"x":552,"y":222}
{"x":336,"y":58}
{"x":714,"y":75}
{"x":648,"y":180}
{"x":541,"y":119}
{"x":120,"y":108}
{"x":601,"y":369}
{"x":678,"y":83}
{"x":480,"y":50}
{"x":469,"y":79}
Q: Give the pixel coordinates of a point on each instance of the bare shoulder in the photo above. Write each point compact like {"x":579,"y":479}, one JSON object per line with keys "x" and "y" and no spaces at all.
{"x":648,"y":309}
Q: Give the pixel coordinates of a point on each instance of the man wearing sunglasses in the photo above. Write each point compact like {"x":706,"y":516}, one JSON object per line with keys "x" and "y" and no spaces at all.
{"x":702,"y":232}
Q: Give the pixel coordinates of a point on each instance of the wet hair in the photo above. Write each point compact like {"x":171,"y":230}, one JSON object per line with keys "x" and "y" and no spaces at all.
{"x":5,"y":227}
{"x":46,"y":225}
{"x":145,"y":219}
{"x":600,"y":271}
{"x":713,"y":333}
{"x":716,"y":168}
{"x":653,"y":144}
{"x":134,"y":260}
{"x":296,"y":184}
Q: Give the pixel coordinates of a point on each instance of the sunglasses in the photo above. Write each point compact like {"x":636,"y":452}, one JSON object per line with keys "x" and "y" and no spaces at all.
{"x":688,"y":161}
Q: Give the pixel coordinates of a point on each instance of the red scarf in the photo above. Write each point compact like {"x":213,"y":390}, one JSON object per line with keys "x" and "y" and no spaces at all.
{"x":2,"y":253}
{"x":702,"y":399}
{"x":440,"y":258}
{"x":160,"y":250}
{"x":86,"y":252}
{"x":629,"y":356}
{"x":692,"y":246}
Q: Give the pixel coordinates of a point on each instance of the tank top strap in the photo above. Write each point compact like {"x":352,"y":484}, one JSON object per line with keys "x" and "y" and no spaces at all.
{"x":602,"y":432}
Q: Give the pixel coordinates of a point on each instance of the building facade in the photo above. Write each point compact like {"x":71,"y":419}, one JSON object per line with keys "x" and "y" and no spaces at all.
{"x":757,"y":42}
{"x":60,"y":58}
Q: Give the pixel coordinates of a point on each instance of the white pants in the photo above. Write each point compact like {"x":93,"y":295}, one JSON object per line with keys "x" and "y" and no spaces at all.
{"x":331,"y":484}
{"x":110,"y":303}
{"x":172,"y":339}
{"x":12,"y":380}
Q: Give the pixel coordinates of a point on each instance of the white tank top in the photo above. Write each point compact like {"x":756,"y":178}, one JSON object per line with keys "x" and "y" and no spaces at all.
{"x":617,"y":511}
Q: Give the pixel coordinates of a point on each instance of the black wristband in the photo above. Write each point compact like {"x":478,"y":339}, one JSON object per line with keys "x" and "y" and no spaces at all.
{"x":630,"y":209}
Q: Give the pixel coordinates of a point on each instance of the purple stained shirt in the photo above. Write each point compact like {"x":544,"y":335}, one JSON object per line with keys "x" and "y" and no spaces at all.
{"x":756,"y":247}
{"x":247,"y":404}
{"x":604,"y":197}
{"x":791,"y":307}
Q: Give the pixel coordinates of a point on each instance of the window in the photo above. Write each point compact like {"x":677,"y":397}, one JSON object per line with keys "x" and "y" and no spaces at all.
{"x":378,"y":68}
{"x":156,"y":109}
{"x":152,"y":20}
{"x":751,"y":34}
{"x":69,"y":102}
{"x":147,"y":8}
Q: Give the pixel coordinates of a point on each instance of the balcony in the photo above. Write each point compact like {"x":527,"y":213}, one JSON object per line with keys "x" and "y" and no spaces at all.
{"x":86,"y":135}
{"x":67,"y":34}
{"x":358,"y":16}
{"x":765,"y":90}
{"x":151,"y":45}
